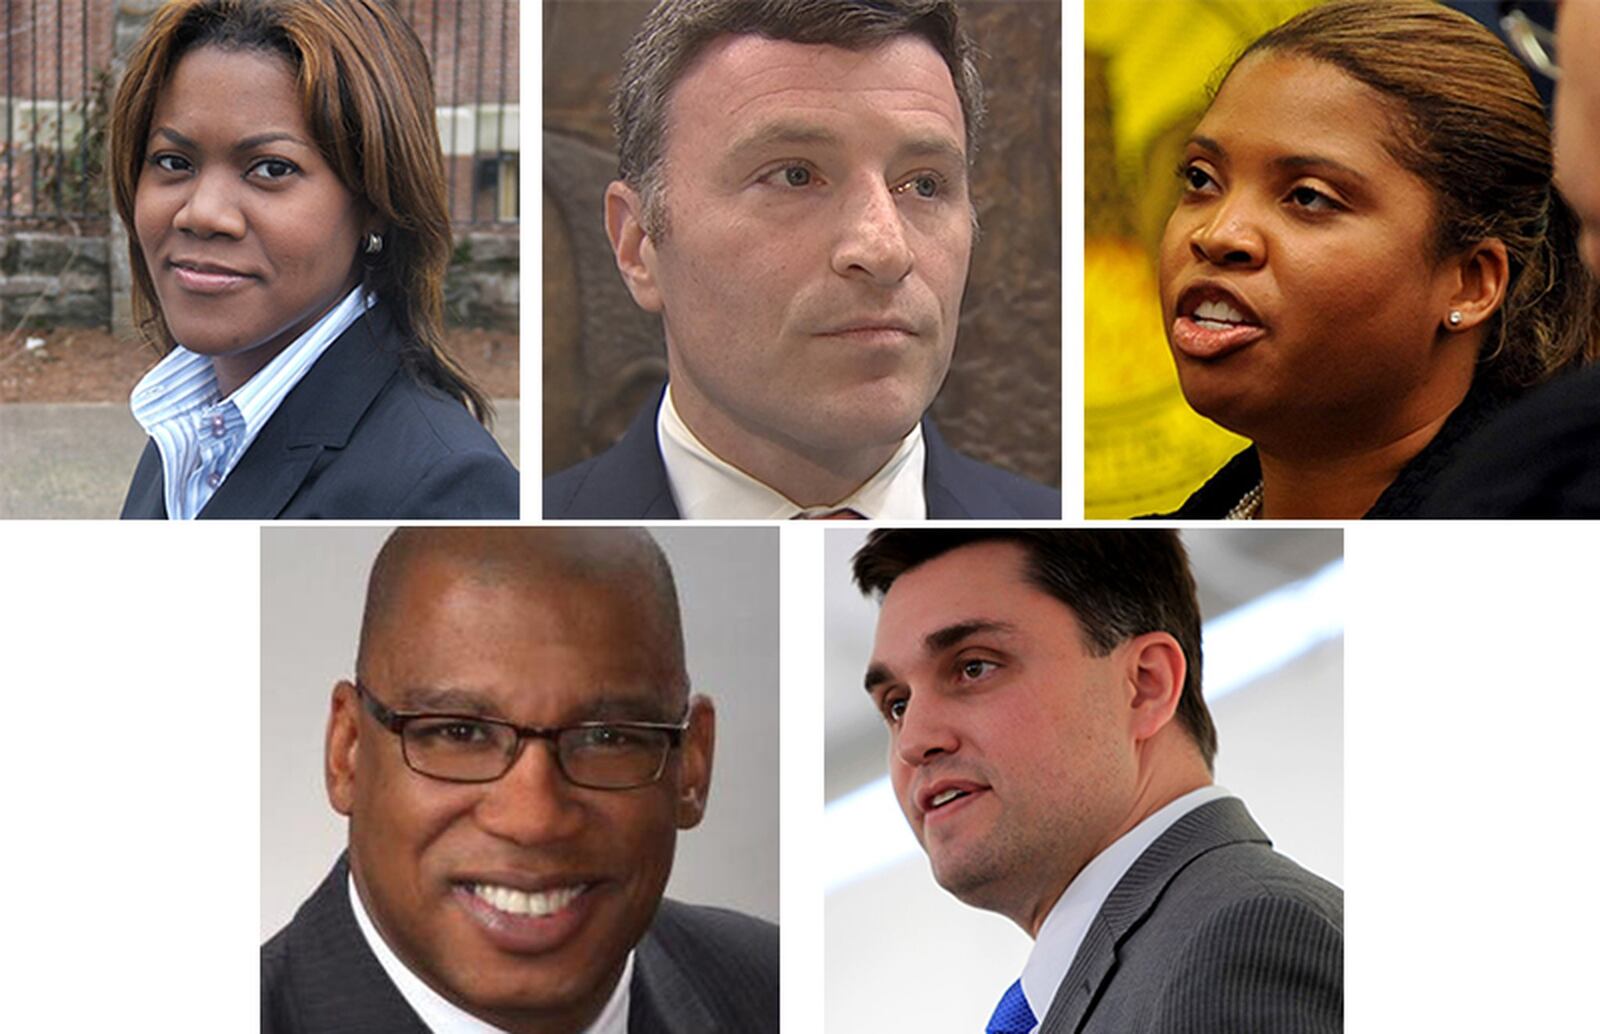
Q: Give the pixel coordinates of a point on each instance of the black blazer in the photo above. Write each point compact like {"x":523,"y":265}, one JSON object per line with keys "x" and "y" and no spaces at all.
{"x":629,"y":481}
{"x":697,"y":971}
{"x":358,"y":437}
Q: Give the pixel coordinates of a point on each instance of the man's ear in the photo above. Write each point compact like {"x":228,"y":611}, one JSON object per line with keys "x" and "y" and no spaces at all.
{"x":1482,"y":273}
{"x":1154,"y":667}
{"x":341,"y":747}
{"x":694,"y":780}
{"x":635,"y":251}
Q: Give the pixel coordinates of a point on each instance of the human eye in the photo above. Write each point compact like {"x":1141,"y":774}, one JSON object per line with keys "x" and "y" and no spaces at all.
{"x":452,"y":732}
{"x":272,"y":170}
{"x":1195,"y":178}
{"x":607,"y":738}
{"x":971,"y":669}
{"x":169,"y":162}
{"x":893,"y":706}
{"x":792,"y":175}
{"x":1312,"y":200}
{"x":924,"y":185}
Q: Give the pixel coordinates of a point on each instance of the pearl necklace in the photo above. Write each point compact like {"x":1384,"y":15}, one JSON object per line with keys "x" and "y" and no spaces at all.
{"x":1248,"y":508}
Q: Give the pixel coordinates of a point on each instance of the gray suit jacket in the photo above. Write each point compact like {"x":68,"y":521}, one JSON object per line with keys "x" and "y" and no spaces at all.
{"x":1210,"y":932}
{"x":697,"y":971}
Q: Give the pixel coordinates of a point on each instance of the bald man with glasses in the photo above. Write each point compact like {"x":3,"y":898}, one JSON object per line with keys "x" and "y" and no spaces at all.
{"x":516,"y":755}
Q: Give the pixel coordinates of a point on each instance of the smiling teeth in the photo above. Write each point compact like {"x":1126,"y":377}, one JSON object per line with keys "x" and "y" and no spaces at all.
{"x":945,"y":798}
{"x":522,"y":903}
{"x":1218,"y":312}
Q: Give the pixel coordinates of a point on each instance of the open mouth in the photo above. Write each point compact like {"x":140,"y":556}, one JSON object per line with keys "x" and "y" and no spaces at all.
{"x":526,"y":903}
{"x":1212,"y":322}
{"x":941,"y":799}
{"x":525,"y":922}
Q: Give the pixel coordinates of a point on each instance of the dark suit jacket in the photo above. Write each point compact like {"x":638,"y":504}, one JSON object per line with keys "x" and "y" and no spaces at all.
{"x":358,"y":437}
{"x":629,"y":481}
{"x":1209,"y":932}
{"x":1540,"y":458}
{"x":697,"y":971}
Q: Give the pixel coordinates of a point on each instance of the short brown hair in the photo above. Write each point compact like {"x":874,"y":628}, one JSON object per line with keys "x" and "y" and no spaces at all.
{"x":1119,"y":584}
{"x":1466,"y":119}
{"x":676,"y":31}
{"x":367,"y":92}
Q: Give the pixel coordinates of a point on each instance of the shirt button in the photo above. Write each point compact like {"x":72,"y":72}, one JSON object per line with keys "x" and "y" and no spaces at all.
{"x":218,"y":428}
{"x":214,"y":479}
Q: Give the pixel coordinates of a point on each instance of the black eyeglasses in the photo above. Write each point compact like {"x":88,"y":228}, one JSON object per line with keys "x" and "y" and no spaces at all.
{"x":1534,"y":43}
{"x":462,"y":748}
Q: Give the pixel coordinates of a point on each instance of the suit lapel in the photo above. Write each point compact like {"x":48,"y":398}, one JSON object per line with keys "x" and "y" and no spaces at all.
{"x":662,"y":999}
{"x":321,"y":412}
{"x":342,"y":988}
{"x":147,"y":499}
{"x":1206,"y":828}
{"x":630,"y":479}
{"x":942,"y":486}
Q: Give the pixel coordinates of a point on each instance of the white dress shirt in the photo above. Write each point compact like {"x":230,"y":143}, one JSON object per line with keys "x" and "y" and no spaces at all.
{"x":443,"y":1016}
{"x":1068,"y":922}
{"x":201,"y":436}
{"x":707,"y":487}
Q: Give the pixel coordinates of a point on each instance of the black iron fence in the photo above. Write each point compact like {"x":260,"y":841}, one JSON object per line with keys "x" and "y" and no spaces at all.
{"x":56,"y":82}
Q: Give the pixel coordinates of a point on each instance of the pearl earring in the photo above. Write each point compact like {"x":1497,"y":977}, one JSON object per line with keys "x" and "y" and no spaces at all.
{"x":374,"y":244}
{"x":1455,"y":318}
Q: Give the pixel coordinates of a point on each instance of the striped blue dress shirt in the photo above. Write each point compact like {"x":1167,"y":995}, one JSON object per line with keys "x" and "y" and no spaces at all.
{"x":201,"y":436}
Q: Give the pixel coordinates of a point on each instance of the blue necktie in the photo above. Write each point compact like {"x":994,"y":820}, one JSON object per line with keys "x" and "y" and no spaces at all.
{"x":1012,"y":1015}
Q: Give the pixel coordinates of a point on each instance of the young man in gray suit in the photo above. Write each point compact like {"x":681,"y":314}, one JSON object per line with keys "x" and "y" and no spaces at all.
{"x":1051,"y":750}
{"x":516,"y":756}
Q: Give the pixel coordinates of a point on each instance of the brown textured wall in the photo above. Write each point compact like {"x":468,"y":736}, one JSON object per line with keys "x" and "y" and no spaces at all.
{"x":1002,"y":401}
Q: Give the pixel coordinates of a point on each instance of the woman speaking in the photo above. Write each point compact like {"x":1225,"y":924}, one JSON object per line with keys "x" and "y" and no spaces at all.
{"x":278,"y":168}
{"x":1368,"y":258}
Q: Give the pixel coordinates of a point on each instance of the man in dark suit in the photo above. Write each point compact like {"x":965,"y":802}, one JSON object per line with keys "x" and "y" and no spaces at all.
{"x":804,"y":230}
{"x":516,"y":756}
{"x":1051,"y":750}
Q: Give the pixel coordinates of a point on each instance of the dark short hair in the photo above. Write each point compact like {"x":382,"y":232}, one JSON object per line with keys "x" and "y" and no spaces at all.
{"x":1119,"y":584}
{"x":676,"y":31}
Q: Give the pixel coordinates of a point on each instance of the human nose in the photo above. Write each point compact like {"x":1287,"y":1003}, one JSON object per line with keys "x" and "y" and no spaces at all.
{"x":210,"y":209}
{"x":533,"y":803}
{"x":925,"y":733}
{"x":1229,"y":237}
{"x":872,"y":241}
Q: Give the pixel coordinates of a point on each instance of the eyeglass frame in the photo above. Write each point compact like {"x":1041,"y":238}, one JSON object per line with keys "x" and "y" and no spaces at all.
{"x":1532,"y":42}
{"x":396,"y":722}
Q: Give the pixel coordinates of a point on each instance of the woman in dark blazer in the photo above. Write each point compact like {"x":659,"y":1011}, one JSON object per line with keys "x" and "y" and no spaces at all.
{"x":1368,"y":259}
{"x":279,"y":171}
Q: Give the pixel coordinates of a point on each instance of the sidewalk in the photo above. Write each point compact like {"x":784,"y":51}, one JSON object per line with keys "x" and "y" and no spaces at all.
{"x":74,"y":459}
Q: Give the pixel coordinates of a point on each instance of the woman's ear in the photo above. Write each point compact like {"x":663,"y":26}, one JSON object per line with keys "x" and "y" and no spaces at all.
{"x":1483,"y":273}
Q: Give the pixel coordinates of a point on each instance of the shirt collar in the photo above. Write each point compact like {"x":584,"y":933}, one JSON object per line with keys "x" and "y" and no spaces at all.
{"x":443,"y":1016}
{"x":1067,"y":924}
{"x":707,"y":487}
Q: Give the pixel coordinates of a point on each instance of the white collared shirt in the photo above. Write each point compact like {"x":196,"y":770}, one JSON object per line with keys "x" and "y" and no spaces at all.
{"x":201,"y":436}
{"x":1068,"y":923}
{"x":707,"y":487}
{"x":443,"y":1016}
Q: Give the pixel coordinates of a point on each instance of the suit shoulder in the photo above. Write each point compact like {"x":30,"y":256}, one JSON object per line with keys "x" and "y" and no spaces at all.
{"x":1255,"y":872}
{"x":985,"y":490}
{"x":560,"y":488}
{"x":1252,"y":941}
{"x":441,"y":462}
{"x":717,"y":930}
